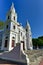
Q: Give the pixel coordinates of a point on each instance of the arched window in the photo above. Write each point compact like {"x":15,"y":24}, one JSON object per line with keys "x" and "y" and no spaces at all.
{"x":26,"y":30}
{"x":13,"y":41}
{"x":6,"y":43}
{"x":6,"y":37}
{"x":14,"y":27}
{"x":14,"y":17}
{"x":13,"y":37}
{"x":8,"y":17}
{"x":7,"y":26}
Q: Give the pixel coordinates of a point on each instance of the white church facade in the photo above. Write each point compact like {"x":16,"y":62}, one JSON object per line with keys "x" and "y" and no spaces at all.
{"x":14,"y":33}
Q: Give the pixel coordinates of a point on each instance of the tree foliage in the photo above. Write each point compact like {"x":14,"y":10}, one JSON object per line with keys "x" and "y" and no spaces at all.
{"x":38,"y":42}
{"x":1,"y":24}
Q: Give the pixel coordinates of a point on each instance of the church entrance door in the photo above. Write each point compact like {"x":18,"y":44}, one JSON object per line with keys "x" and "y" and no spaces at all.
{"x":13,"y":41}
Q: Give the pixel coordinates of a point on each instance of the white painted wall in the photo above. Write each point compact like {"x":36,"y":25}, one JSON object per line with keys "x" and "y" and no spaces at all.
{"x":15,"y":32}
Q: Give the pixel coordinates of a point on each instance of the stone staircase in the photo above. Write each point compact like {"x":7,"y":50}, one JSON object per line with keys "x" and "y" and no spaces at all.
{"x":35,"y":56}
{"x":16,"y":55}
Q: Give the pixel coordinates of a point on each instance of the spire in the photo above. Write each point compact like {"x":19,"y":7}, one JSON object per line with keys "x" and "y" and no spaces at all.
{"x":27,"y":24}
{"x":12,"y":7}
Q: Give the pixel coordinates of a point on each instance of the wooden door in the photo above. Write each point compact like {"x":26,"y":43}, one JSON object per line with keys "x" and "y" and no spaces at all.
{"x":13,"y":43}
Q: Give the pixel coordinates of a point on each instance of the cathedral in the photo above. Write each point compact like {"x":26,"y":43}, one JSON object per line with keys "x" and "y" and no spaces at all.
{"x":14,"y":33}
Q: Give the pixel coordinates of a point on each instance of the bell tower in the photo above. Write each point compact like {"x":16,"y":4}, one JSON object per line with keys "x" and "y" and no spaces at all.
{"x":9,"y":36}
{"x":28,"y":36}
{"x":12,"y":15}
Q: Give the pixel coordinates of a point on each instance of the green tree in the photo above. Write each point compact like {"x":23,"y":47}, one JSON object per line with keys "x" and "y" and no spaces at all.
{"x":38,"y":42}
{"x":1,"y":24}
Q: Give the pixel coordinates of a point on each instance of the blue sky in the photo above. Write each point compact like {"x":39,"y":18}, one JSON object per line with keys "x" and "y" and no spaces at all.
{"x":26,"y":9}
